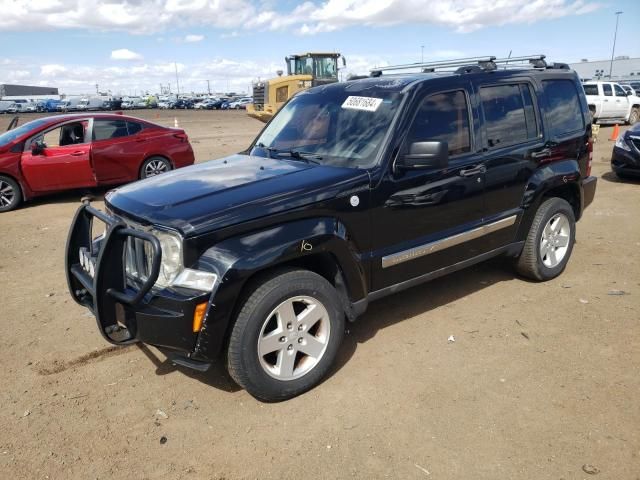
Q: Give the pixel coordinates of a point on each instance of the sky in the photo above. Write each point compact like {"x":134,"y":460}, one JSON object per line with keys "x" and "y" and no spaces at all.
{"x":134,"y":46}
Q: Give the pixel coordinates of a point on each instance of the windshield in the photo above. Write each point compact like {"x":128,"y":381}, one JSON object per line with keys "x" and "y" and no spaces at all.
{"x":11,"y":135}
{"x":331,"y":126}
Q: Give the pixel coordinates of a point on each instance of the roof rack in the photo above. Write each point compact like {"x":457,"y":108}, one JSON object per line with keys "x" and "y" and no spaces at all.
{"x":473,"y":64}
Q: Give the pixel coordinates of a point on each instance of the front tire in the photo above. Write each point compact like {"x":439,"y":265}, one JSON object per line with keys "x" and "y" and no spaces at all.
{"x":634,"y":116}
{"x":154,"y":166}
{"x":10,"y":194}
{"x":550,"y":241}
{"x":286,"y":335}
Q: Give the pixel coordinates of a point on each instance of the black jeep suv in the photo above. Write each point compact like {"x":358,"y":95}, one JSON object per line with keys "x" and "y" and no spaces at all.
{"x":352,"y":192}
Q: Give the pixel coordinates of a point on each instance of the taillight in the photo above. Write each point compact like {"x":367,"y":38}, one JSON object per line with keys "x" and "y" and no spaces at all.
{"x":590,"y":158}
{"x":182,"y":136}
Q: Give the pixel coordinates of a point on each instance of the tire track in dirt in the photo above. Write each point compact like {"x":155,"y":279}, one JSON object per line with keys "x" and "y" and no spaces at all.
{"x":59,"y":366}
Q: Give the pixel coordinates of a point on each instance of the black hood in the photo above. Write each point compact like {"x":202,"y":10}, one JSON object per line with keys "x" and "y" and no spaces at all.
{"x":211,"y":195}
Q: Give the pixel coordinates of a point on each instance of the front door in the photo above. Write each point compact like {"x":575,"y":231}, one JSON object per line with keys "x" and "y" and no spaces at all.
{"x":608,"y":102}
{"x":621,"y":101}
{"x":424,"y":220}
{"x":65,"y":160}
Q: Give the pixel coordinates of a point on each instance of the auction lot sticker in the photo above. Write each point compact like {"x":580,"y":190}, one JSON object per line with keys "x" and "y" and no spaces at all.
{"x":368,"y":104}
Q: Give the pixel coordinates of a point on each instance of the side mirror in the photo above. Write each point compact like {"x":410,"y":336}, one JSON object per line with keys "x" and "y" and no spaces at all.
{"x":37,"y":147}
{"x":424,"y":155}
{"x":344,"y":62}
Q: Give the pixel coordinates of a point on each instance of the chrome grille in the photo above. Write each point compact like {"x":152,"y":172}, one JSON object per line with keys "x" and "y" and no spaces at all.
{"x":259,"y":95}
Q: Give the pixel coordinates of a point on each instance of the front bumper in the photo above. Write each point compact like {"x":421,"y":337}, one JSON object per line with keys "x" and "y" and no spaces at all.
{"x":625,"y":162}
{"x":124,"y":313}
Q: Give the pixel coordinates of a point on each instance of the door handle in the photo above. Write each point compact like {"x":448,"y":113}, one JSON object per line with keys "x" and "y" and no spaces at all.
{"x":77,"y":154}
{"x":544,"y":153}
{"x":470,"y":172}
{"x":606,"y":100}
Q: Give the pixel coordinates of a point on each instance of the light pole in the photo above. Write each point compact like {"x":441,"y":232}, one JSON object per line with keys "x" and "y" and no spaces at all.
{"x":613,"y":49}
{"x":422,"y":54}
{"x":177,"y":82}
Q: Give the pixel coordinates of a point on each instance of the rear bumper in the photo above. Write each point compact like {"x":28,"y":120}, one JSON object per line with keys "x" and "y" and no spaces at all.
{"x":588,"y":191}
{"x":124,"y":314}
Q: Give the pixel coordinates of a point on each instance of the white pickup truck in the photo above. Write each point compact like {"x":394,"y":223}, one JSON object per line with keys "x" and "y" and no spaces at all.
{"x":609,"y":102}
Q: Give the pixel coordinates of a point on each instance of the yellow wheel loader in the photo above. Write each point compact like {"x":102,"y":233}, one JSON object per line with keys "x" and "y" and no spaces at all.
{"x":303,"y":72}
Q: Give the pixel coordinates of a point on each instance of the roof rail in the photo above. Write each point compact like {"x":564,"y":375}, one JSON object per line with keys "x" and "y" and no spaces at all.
{"x":472,"y":64}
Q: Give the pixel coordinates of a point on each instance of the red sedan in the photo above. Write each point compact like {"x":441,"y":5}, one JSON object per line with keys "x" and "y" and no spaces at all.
{"x":78,"y":151}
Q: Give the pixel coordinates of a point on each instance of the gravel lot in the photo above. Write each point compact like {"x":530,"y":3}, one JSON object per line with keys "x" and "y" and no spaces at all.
{"x":541,"y":382}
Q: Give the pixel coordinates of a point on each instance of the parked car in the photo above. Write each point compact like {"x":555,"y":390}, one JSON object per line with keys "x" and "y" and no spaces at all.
{"x":241,"y":103}
{"x":205,"y":104}
{"x":182,"y":104}
{"x":354,"y":191}
{"x":608,"y":101}
{"x":4,"y":105}
{"x":625,"y":159}
{"x":78,"y":151}
{"x":113,"y":104}
{"x":165,"y":104}
{"x":628,"y":89}
{"x":218,"y":104}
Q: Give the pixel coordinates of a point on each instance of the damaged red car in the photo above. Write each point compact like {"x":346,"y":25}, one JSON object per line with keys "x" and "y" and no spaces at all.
{"x":81,"y":151}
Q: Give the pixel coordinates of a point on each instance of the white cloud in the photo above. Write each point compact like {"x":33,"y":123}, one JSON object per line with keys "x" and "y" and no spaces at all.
{"x":191,"y":38}
{"x":125,"y":54}
{"x":308,"y":18}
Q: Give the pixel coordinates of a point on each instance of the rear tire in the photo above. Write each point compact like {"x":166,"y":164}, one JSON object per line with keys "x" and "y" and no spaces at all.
{"x":286,"y":335}
{"x":154,"y":166}
{"x":549,"y":242}
{"x":10,"y":194}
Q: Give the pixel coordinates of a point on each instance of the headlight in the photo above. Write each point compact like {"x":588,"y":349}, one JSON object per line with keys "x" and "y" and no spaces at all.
{"x":621,"y":143}
{"x":171,"y":264}
{"x":172,"y":271}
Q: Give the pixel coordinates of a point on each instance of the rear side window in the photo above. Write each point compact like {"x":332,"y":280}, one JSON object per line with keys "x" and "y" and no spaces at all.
{"x":134,"y":127}
{"x":565,"y":113}
{"x":443,"y":117}
{"x":619,"y":91}
{"x":606,"y":88}
{"x":105,"y":129}
{"x":509,"y":114}
{"x":590,"y":89}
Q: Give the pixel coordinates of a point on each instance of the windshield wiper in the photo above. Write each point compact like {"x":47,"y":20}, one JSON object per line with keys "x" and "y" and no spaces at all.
{"x":307,"y":157}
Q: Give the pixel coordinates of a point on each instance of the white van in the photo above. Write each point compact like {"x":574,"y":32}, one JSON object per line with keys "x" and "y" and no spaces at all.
{"x":69,"y":104}
{"x":90,"y":103}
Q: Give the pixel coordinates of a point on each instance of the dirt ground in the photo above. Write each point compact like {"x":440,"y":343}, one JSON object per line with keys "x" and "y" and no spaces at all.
{"x":542,"y":381}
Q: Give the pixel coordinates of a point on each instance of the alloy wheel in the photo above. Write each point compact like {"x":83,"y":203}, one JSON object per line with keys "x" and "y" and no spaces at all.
{"x":155,"y":167}
{"x":554,"y":242}
{"x":7,"y":194}
{"x":294,"y":338}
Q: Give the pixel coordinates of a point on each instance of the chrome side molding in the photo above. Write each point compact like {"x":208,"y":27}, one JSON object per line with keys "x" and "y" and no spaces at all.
{"x":426,"y":249}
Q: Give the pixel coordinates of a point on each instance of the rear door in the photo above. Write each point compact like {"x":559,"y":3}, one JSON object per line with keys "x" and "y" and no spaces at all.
{"x":608,"y":102}
{"x":511,"y":138}
{"x":119,"y":147}
{"x":64,"y":163}
{"x":621,"y":101}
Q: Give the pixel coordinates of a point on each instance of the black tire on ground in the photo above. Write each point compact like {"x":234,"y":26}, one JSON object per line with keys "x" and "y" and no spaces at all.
{"x":634,"y":116}
{"x":532,"y":263}
{"x":153,"y":166}
{"x":10,"y":194}
{"x":244,"y":362}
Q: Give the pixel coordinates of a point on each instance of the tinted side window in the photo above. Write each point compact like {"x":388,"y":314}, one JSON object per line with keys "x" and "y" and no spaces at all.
{"x":105,"y":129}
{"x":606,"y":88}
{"x":590,"y":89}
{"x":619,"y":91}
{"x":134,"y":127}
{"x":443,"y":117}
{"x":504,"y":114}
{"x":564,"y":106}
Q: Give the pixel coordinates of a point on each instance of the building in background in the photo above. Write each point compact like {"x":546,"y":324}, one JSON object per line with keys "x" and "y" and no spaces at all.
{"x":624,"y":68}
{"x":15,"y":91}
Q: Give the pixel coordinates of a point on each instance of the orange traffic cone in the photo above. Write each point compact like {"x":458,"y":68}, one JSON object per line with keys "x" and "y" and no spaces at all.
{"x":616,"y":132}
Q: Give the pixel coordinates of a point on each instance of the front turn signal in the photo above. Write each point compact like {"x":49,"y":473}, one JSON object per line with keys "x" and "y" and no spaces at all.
{"x":198,"y":316}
